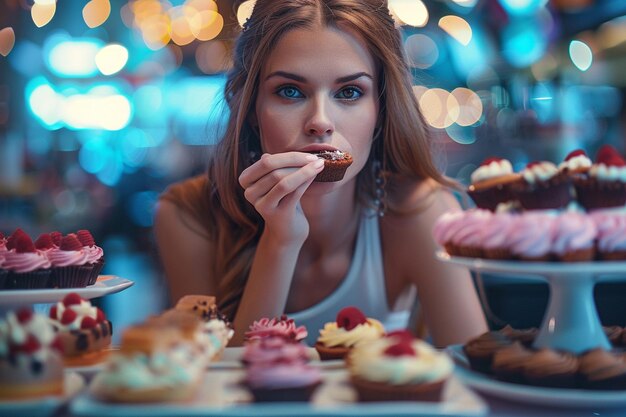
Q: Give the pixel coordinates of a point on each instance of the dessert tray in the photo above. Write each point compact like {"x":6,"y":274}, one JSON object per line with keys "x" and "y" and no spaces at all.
{"x":106,"y":284}
{"x":221,"y":395}
{"x":557,"y":397}
{"x":46,"y":406}
{"x":571,"y":320}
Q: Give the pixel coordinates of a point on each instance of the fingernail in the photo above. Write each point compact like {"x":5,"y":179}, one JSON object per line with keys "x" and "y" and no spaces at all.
{"x":311,"y":158}
{"x":319,"y":163}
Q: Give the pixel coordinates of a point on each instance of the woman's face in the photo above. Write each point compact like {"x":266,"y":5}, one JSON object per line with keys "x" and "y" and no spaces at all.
{"x":318,"y":90}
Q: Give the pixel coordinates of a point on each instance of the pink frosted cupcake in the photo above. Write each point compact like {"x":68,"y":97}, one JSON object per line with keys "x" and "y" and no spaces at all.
{"x":445,"y":228}
{"x":611,"y":238}
{"x":271,"y":350}
{"x":532,"y":236}
{"x":544,"y":186}
{"x":4,"y":273}
{"x":289,"y":379}
{"x":496,"y":235}
{"x":28,"y":268}
{"x":574,"y":237}
{"x":467,"y":234}
{"x":605,"y":185}
{"x":69,"y":264}
{"x":491,"y":183}
{"x":95,"y":254}
{"x":281,"y":327}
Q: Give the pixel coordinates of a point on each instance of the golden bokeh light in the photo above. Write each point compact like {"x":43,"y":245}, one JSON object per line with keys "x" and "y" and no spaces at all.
{"x":439,"y":107}
{"x":96,"y":12}
{"x":410,"y":12}
{"x":245,"y":11}
{"x":456,"y":27}
{"x":470,"y":107}
{"x":213,"y":57}
{"x":7,"y":41}
{"x":42,"y":14}
{"x":111,"y":59}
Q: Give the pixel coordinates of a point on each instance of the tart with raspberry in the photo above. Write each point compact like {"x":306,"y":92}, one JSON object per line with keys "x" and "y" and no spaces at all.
{"x":83,"y":329}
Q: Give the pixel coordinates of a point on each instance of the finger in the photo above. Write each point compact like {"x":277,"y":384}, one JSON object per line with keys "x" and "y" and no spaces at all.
{"x":290,"y":183}
{"x":291,"y":200}
{"x":266,"y":183}
{"x":269,"y":162}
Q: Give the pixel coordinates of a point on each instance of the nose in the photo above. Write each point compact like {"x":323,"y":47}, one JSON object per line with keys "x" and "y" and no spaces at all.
{"x":320,"y":121}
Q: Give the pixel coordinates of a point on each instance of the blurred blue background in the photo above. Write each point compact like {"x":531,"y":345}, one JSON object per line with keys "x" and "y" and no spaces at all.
{"x":104,"y":103}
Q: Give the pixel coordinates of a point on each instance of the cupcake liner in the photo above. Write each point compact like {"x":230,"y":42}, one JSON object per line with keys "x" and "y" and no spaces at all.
{"x":377,"y":391}
{"x":452,"y":249}
{"x":593,"y":194}
{"x":619,"y":255}
{"x":471,"y":251}
{"x":329,"y":353}
{"x":73,"y":276}
{"x":4,"y":275}
{"x":553,"y":194}
{"x":95,"y":271}
{"x":580,"y":255}
{"x":497,"y":253}
{"x":299,"y":394}
{"x":489,"y":197}
{"x":36,"y":279}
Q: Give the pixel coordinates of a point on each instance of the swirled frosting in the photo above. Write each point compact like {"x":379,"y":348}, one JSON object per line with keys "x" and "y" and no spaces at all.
{"x":611,"y":228}
{"x":21,"y":262}
{"x":283,"y":327}
{"x":446,"y":225}
{"x":94,"y":253}
{"x":511,"y":359}
{"x":282,"y":375}
{"x":332,"y":335}
{"x":494,"y":168}
{"x":573,"y":231}
{"x":599,"y":364}
{"x":273,"y":349}
{"x":577,"y":162}
{"x":496,"y":232}
{"x":61,"y":258}
{"x":549,"y":362}
{"x":467,"y":231}
{"x":539,"y":171}
{"x":370,"y":362}
{"x":532,"y":234}
{"x":604,"y":172}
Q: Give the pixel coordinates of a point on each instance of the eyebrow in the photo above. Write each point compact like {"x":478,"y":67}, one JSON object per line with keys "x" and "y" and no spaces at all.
{"x":301,"y":79}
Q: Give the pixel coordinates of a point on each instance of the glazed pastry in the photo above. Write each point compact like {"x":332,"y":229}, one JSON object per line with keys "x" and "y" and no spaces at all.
{"x":398,"y":368}
{"x":550,"y":368}
{"x":280,"y":327}
{"x":480,"y":350}
{"x":336,"y":164}
{"x":601,"y":369}
{"x":31,"y":363}
{"x":83,"y":330}
{"x":349,"y":329}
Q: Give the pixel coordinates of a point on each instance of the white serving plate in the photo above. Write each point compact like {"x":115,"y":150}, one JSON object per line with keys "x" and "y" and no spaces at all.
{"x":221,"y":395}
{"x":555,"y":397}
{"x":45,"y":406}
{"x":106,"y":284}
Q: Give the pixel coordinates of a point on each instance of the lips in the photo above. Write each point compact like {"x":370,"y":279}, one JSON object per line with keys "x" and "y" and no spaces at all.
{"x":317,"y":148}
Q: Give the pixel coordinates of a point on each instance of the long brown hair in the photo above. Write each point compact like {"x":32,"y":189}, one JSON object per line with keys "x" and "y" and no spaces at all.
{"x":401,"y":144}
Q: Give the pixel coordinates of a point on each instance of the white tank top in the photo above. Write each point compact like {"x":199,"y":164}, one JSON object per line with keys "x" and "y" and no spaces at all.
{"x":363,"y":287}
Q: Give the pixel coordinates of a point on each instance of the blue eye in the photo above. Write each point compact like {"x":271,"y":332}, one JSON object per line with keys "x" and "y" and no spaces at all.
{"x":289,"y":92}
{"x":350,"y":94}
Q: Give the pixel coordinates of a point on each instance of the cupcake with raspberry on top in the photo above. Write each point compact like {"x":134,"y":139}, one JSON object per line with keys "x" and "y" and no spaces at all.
{"x":543,"y":186}
{"x":28,"y":267}
{"x":605,"y":185}
{"x":491,"y":183}
{"x":576,"y":164}
{"x":4,"y":273}
{"x":350,"y":328}
{"x":83,"y":329}
{"x":281,"y":327}
{"x":95,"y":254}
{"x":69,"y":264}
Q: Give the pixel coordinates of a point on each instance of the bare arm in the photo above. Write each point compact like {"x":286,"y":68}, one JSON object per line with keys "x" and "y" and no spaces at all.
{"x":449,"y":301}
{"x":185,"y":251}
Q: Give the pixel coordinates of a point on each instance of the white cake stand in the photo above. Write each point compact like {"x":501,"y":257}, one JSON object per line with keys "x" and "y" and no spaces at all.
{"x":571,"y":320}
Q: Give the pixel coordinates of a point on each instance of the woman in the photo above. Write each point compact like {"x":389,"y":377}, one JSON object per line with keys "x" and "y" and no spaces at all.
{"x":258,"y":232}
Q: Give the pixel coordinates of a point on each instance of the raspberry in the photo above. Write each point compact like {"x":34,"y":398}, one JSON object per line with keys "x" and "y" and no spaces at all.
{"x":44,"y":241}
{"x":350,"y":317}
{"x":24,"y":244}
{"x":490,"y":160}
{"x":57,"y":344}
{"x":88,"y":323}
{"x":70,"y":243}
{"x":53,"y":312}
{"x":402,"y":348}
{"x":71,"y":299}
{"x":403,"y":335}
{"x":68,"y":316}
{"x":573,"y":154}
{"x":56,"y":238}
{"x":24,"y":315}
{"x":100,"y":317}
{"x":85,"y":238}
{"x":608,"y":155}
{"x":30,"y":345}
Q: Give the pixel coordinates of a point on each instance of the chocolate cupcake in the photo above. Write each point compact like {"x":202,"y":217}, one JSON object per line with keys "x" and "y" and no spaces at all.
{"x":335,"y":165}
{"x":614,"y":334}
{"x":551,"y":368}
{"x":508,"y":363}
{"x":480,"y":350}
{"x":601,"y":369}
{"x":543,"y":187}
{"x":491,"y":183}
{"x":525,"y":336}
{"x":605,"y":184}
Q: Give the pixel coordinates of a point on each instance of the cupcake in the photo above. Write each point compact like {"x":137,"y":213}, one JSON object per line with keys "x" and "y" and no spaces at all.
{"x":336,"y":164}
{"x":525,"y":336}
{"x":28,"y":268}
{"x":508,"y":362}
{"x":601,"y":369}
{"x":398,"y":368}
{"x":4,"y":273}
{"x":154,"y":365}
{"x":614,"y":334}
{"x":31,"y":364}
{"x":281,"y":327}
{"x":69,"y":264}
{"x":83,"y":330}
{"x":445,"y":228}
{"x":491,"y":183}
{"x":467,"y":232}
{"x":574,"y":237}
{"x":270,"y":377}
{"x":605,"y":185}
{"x":349,"y":329}
{"x":532,"y":235}
{"x":576,"y":164}
{"x":480,"y":350}
{"x":496,"y":235}
{"x":95,"y":254}
{"x":611,"y":234}
{"x":543,"y":186}
{"x":551,"y":368}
